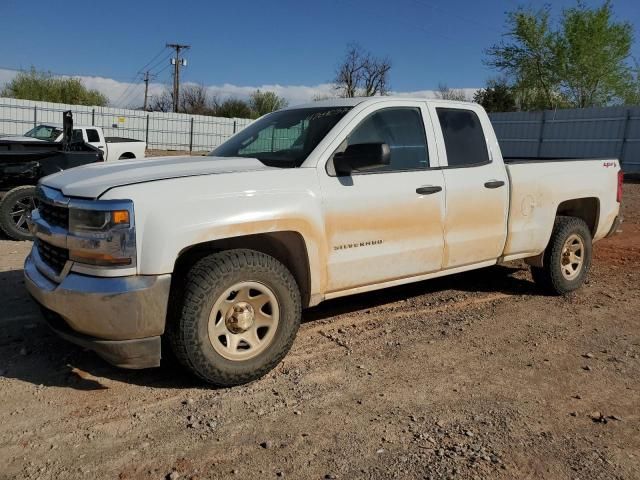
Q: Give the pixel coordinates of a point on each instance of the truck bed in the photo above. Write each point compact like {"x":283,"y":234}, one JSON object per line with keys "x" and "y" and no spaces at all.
{"x":24,"y":163}
{"x":539,"y":186}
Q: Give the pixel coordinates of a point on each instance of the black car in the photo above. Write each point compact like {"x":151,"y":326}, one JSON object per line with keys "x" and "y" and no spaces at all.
{"x":23,"y":164}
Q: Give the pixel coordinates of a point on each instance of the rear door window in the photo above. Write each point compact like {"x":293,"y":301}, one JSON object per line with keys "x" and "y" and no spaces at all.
{"x":463,"y":137}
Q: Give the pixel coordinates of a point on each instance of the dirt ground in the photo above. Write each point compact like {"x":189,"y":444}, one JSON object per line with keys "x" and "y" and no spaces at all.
{"x":472,"y":376}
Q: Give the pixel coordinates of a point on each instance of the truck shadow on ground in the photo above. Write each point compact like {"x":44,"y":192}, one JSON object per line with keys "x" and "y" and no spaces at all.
{"x":30,"y":352}
{"x":496,"y":279}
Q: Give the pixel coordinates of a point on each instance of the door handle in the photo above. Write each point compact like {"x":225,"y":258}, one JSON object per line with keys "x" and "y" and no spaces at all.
{"x":428,"y":189}
{"x":494,"y":184}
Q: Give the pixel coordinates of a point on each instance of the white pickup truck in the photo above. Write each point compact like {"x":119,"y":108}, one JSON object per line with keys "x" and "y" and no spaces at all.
{"x":220,"y":253}
{"x":113,"y":148}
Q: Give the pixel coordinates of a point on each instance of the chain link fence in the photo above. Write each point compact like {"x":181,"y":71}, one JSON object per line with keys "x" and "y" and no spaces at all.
{"x":161,"y":131}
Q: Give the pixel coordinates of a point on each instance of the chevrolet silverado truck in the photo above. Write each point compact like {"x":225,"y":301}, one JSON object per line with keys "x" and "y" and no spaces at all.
{"x":113,"y":148}
{"x":219,"y":254}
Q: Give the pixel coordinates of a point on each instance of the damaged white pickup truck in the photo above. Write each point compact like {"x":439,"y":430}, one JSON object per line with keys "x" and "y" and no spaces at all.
{"x":219,"y":254}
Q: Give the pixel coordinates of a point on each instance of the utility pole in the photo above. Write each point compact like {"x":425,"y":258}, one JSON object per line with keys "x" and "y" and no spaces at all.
{"x":146,"y":89}
{"x":177,"y":63}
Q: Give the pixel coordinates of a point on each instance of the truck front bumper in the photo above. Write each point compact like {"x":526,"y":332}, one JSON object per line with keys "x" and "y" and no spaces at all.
{"x":120,"y":318}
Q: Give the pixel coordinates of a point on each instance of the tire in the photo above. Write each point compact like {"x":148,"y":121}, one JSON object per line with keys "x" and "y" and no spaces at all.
{"x":561,"y":273}
{"x":13,"y":212}
{"x":206,"y":335}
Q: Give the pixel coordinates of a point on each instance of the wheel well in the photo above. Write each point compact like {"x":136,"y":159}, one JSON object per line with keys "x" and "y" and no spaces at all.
{"x":588,"y":209}
{"x":287,"y":247}
{"x":127,"y":156}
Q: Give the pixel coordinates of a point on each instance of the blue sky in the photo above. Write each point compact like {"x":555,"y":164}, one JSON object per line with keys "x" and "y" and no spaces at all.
{"x":258,"y":43}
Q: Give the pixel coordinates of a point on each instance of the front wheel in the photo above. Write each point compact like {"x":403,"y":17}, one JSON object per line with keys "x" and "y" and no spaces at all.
{"x":15,"y":208}
{"x":567,"y":259}
{"x":239,"y":316}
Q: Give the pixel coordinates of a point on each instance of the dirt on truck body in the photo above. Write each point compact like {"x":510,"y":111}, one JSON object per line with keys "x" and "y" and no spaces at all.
{"x":477,"y":375}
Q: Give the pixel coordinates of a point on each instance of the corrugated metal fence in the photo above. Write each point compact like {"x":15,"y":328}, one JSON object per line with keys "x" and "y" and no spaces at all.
{"x":583,"y":133}
{"x":162,"y":131}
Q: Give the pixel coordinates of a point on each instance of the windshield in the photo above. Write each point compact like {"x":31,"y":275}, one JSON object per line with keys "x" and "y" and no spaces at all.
{"x":44,"y":132}
{"x":285,"y":138}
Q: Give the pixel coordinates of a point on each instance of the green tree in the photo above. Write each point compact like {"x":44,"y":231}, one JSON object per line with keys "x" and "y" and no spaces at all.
{"x":593,"y":51}
{"x":529,"y":57}
{"x":233,"y":108}
{"x":497,"y":96}
{"x":583,"y":62}
{"x":266,"y":102}
{"x":44,"y":86}
{"x":632,"y":96}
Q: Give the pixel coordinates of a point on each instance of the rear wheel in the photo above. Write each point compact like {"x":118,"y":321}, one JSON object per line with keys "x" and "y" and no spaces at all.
{"x":15,"y":207}
{"x":239,"y":316}
{"x":567,"y":259}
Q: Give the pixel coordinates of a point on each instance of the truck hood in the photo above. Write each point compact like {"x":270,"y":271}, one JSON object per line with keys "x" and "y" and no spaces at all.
{"x":91,"y":181}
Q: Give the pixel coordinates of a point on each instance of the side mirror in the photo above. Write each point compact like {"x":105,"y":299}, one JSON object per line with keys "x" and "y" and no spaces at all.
{"x":361,"y":157}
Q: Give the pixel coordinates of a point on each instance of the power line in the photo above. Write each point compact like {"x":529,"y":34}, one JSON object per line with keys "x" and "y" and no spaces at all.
{"x":162,"y":70}
{"x":177,"y":63}
{"x":129,"y":81}
{"x":147,"y":78}
{"x":161,"y":61}
{"x":131,"y":95}
{"x":144,"y":75}
{"x":130,"y":85}
{"x":153,"y":59}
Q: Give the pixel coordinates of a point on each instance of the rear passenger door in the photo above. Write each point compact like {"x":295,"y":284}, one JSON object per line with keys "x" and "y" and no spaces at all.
{"x":477,"y":187}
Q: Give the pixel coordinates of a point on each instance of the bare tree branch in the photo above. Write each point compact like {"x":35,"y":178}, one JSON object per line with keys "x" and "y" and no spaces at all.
{"x":362,"y":74}
{"x":446,"y":93}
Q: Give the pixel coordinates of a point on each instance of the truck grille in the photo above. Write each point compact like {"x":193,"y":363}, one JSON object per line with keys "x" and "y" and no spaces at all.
{"x":54,"y":257}
{"x":54,"y":215}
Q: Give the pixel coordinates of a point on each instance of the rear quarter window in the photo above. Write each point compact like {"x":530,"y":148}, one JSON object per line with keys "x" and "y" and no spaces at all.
{"x":463,"y":137}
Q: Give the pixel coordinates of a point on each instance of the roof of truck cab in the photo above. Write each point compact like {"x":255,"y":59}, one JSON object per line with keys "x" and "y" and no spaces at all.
{"x":352,"y":102}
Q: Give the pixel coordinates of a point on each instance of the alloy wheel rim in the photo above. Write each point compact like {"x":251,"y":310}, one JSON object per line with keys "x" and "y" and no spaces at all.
{"x":572,"y":258}
{"x":21,"y":211}
{"x":243,"y":321}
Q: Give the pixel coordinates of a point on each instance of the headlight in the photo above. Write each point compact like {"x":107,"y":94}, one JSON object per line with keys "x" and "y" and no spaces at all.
{"x":97,"y":220}
{"x":102,"y":233}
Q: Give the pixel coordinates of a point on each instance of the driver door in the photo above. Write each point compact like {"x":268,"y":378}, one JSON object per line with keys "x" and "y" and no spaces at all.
{"x":385,"y":224}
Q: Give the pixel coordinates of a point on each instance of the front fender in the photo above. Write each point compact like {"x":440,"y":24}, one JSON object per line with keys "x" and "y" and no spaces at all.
{"x":174,"y":215}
